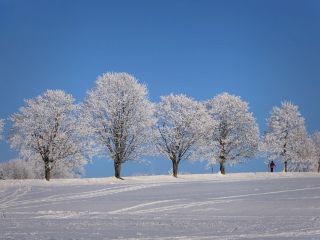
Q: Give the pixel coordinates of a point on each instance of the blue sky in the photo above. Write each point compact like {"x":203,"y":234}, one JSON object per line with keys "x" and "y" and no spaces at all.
{"x":264,"y":51}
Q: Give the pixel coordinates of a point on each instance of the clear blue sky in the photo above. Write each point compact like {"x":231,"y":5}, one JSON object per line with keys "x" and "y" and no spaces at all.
{"x":264,"y":51}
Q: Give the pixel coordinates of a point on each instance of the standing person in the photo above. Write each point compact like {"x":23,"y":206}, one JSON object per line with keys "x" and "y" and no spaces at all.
{"x":272,"y":166}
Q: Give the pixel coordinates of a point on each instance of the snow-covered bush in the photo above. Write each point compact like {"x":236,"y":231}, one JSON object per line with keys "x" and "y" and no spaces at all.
{"x":119,"y":117}
{"x":47,"y":130}
{"x":33,"y":169}
{"x":236,"y":134}
{"x":61,"y":169}
{"x":182,"y":124}
{"x":16,"y":169}
{"x":286,"y":136}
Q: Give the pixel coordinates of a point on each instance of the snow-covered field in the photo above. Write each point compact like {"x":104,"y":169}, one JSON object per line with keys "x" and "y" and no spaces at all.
{"x":235,"y":206}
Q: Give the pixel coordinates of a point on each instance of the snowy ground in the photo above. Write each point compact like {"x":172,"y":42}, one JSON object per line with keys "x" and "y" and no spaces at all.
{"x":235,"y":206}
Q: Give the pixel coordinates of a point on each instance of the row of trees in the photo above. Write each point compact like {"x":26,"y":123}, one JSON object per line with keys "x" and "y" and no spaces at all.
{"x":287,"y":139}
{"x":57,"y":137}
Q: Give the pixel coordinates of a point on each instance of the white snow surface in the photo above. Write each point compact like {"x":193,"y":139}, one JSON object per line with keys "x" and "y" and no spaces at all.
{"x":201,"y":206}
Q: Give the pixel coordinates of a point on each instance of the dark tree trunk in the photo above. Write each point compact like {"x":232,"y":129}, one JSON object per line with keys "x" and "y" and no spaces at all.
{"x":285,"y":166}
{"x":47,"y":171}
{"x":117,"y":169}
{"x":222,"y":169}
{"x":175,"y":166}
{"x":284,"y":155}
{"x":318,"y":167}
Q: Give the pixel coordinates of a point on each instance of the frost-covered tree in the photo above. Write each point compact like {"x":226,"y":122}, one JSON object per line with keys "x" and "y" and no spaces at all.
{"x":236,"y":135}
{"x":1,"y":128}
{"x":285,"y":134}
{"x":304,"y":159}
{"x":47,"y":129}
{"x":181,"y":126}
{"x":316,"y":142}
{"x":16,"y":169}
{"x":119,"y":117}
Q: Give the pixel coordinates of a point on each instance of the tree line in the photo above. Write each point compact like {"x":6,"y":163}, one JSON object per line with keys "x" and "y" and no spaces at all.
{"x":56,"y":137}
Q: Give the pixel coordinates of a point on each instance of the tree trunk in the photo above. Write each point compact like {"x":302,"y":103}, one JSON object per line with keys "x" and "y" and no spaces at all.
{"x":47,"y":171}
{"x":117,"y":169}
{"x":175,"y":168}
{"x":318,"y":167}
{"x":285,"y":166}
{"x":222,"y":169}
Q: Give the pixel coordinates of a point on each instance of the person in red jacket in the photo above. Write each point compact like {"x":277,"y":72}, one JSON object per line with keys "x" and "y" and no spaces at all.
{"x":272,"y":165}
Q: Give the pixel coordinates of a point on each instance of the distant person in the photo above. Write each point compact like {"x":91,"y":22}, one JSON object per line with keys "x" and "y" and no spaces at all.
{"x":272,"y":166}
